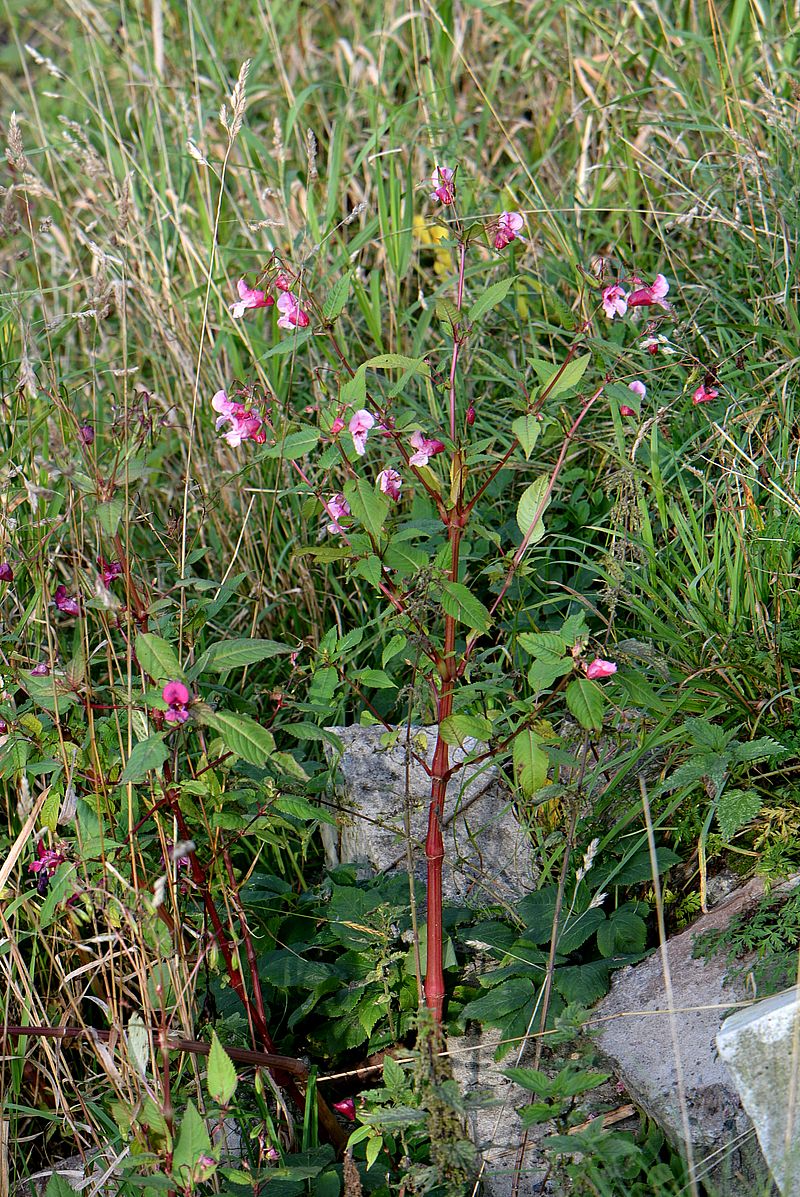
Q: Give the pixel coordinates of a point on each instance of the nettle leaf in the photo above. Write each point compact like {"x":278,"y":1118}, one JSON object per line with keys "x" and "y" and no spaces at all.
{"x":490,"y":298}
{"x":533,"y":503}
{"x":460,"y":603}
{"x":221,"y":1080}
{"x":495,"y":1006}
{"x":530,"y":762}
{"x":527,"y":429}
{"x":148,"y":754}
{"x":586,"y":702}
{"x":736,"y":808}
{"x":570,"y":376}
{"x":248,"y":739}
{"x":157,"y":658}
{"x":757,"y":750}
{"x":369,"y":506}
{"x":234,"y":654}
{"x":193,"y":1141}
{"x":378,"y":679}
{"x":455,"y":729}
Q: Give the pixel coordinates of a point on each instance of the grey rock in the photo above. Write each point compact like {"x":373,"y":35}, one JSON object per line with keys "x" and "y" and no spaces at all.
{"x":488,"y":856}
{"x":636,"y":1036}
{"x":761,"y":1047}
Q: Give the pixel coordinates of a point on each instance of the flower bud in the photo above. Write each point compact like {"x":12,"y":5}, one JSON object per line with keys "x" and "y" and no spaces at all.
{"x":470,"y":415}
{"x":86,"y":434}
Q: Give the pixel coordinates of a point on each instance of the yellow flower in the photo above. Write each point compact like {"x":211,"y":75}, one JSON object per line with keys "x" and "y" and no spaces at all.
{"x":430,"y":236}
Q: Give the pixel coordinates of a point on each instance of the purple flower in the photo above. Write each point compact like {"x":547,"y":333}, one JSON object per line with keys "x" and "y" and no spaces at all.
{"x":65,"y":602}
{"x":109,"y":570}
{"x":6,"y":572}
{"x":41,"y":670}
{"x":86,"y":434}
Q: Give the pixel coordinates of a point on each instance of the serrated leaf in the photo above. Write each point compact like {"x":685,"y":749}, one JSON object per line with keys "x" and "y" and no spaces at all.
{"x":369,"y":506}
{"x":395,"y":646}
{"x":460,"y":603}
{"x":378,"y":679}
{"x":301,"y":808}
{"x":294,"y":445}
{"x":234,"y":654}
{"x":447,"y":312}
{"x":495,"y":1006}
{"x":370,"y":569}
{"x":527,"y":429}
{"x":221,"y":1079}
{"x":491,"y":297}
{"x":570,"y":376}
{"x":530,"y":762}
{"x":582,"y":984}
{"x":325,"y":552}
{"x":146,"y":755}
{"x":157,"y":658}
{"x":455,"y":729}
{"x":736,"y":808}
{"x":337,"y":298}
{"x":545,"y":646}
{"x":586,"y":702}
{"x":193,"y":1141}
{"x":248,"y":739}
{"x":543,"y":674}
{"x":532,"y":504}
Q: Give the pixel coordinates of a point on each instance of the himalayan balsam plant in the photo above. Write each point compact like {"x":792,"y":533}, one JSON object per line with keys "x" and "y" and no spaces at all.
{"x":374,"y":456}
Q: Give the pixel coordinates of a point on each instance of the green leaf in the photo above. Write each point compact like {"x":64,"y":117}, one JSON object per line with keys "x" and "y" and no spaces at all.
{"x":58,"y":1186}
{"x":542,"y":674}
{"x":221,"y":1080}
{"x":377,"y":679}
{"x":233,"y":654}
{"x":395,"y":646}
{"x":337,"y":298}
{"x":48,"y":692}
{"x":149,"y":754}
{"x":248,"y":739}
{"x":157,"y":658}
{"x":495,"y":1006}
{"x":582,"y":984}
{"x":623,"y":932}
{"x":193,"y":1141}
{"x":586,"y":702}
{"x":530,"y":762}
{"x":491,"y":297}
{"x":533,"y":501}
{"x":571,"y":375}
{"x":369,"y":506}
{"x":301,"y":808}
{"x":294,"y":445}
{"x":397,"y":361}
{"x":460,"y":603}
{"x":288,"y":344}
{"x":370,"y":569}
{"x":735,"y":808}
{"x":109,"y":513}
{"x":545,"y":646}
{"x":455,"y":729}
{"x":527,"y":429}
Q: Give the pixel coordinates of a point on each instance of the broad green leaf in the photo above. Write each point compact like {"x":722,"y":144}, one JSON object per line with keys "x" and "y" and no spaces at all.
{"x":495,"y":1006}
{"x":354,"y":391}
{"x":543,"y":674}
{"x":530,"y":762}
{"x":586,"y":702}
{"x":301,"y":808}
{"x":490,"y":298}
{"x":456,"y":729}
{"x":398,"y":361}
{"x":325,"y":552}
{"x":233,"y":654}
{"x":570,"y":376}
{"x":240,"y":733}
{"x":157,"y":658}
{"x":294,"y":445}
{"x":526,"y":429}
{"x":369,"y":506}
{"x":545,"y":646}
{"x":378,"y":679}
{"x":395,"y":646}
{"x":58,"y":1186}
{"x":48,"y":692}
{"x":459,"y":602}
{"x":404,"y":558}
{"x":532,"y":503}
{"x":337,"y":298}
{"x":370,"y":569}
{"x":193,"y":1141}
{"x":582,"y":984}
{"x":221,"y":1080}
{"x":146,"y":755}
{"x":736,"y":808}
{"x":109,"y":513}
{"x":623,"y":932}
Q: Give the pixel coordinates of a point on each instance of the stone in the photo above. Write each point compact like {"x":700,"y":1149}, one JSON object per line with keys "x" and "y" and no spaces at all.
{"x":488,"y":855}
{"x":635,"y":1036}
{"x":761,"y":1048}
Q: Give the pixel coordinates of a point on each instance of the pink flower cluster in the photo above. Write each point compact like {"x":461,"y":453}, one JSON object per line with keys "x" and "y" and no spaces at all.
{"x":292,"y":314}
{"x":443,"y":180}
{"x":616,"y":300}
{"x":245,"y":424}
{"x":425,"y":448}
{"x":508,"y":229}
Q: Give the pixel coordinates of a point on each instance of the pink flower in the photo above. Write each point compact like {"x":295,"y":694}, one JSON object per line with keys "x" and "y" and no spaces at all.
{"x":337,"y":507}
{"x":109,"y":570}
{"x":272,"y":1155}
{"x":41,"y":670}
{"x":337,"y":426}
{"x":425,"y":449}
{"x":390,"y":482}
{"x":291,"y":314}
{"x":358,"y":428}
{"x":245,"y":424}
{"x":282,"y":282}
{"x":444,"y":184}
{"x":6,"y":572}
{"x":347,"y":1107}
{"x":624,"y":410}
{"x":645,"y":296}
{"x":639,"y":389}
{"x":598,"y":669}
{"x":176,"y":696}
{"x":65,"y":602}
{"x":508,"y":229}
{"x":704,"y":394}
{"x":47,"y":859}
{"x":615,"y":301}
{"x":249,"y":297}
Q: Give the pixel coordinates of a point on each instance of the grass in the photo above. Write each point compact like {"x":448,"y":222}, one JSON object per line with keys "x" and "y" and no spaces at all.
{"x":649,"y":137}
